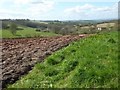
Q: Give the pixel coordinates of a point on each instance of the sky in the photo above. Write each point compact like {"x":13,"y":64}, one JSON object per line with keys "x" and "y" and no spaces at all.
{"x":59,"y":9}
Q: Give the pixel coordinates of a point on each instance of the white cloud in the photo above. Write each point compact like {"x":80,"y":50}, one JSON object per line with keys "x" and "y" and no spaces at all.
{"x":89,"y":10}
{"x":86,"y":8}
{"x":22,"y":1}
{"x":42,"y":9}
{"x":39,"y":9}
{"x":16,"y":1}
{"x":25,"y":8}
{"x":85,"y":0}
{"x":102,"y":9}
{"x":79,"y":9}
{"x":8,"y":14}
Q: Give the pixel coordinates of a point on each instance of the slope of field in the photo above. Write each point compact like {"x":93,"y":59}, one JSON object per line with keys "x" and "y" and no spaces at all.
{"x":27,"y":32}
{"x":20,"y":55}
{"x":89,"y":63}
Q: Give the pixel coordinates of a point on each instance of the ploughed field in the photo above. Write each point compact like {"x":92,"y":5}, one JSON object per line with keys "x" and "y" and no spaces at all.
{"x":20,"y":55}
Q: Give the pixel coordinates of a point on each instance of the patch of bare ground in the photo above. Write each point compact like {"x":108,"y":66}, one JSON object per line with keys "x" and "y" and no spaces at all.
{"x":20,"y":55}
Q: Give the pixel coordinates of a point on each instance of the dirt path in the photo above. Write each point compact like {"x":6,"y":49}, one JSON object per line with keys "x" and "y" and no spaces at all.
{"x":20,"y":55}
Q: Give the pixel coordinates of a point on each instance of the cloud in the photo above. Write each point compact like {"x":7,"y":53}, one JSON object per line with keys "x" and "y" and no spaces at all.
{"x":25,"y":8}
{"x":85,"y":0}
{"x":47,"y":9}
{"x":79,"y":9}
{"x":5,"y":14}
{"x":22,"y":1}
{"x":91,"y":11}
{"x":78,"y":12}
{"x":36,"y":2}
{"x":102,"y":9}
{"x":39,"y":9}
{"x":86,"y":8}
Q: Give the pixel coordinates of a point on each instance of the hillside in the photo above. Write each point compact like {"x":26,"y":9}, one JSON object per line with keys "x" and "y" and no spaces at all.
{"x":88,"y":63}
{"x":25,"y":33}
{"x":34,"y":28}
{"x":20,"y":55}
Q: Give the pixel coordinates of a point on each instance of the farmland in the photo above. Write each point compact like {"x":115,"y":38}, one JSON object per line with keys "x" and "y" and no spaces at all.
{"x":59,"y":44}
{"x":59,"y":54}
{"x":27,"y":32}
{"x":91,"y":62}
{"x":28,"y":28}
{"x":18,"y":61}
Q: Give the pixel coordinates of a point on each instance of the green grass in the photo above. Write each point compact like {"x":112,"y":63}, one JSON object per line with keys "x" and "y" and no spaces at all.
{"x":27,"y":32}
{"x":88,"y":63}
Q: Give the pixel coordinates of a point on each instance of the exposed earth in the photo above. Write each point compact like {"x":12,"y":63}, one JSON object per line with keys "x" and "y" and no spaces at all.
{"x":20,"y":55}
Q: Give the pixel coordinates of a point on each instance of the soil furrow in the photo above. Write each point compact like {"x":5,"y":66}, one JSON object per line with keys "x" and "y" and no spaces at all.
{"x":20,"y":55}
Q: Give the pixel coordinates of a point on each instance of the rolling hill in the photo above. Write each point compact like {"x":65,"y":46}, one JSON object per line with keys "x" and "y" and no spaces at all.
{"x":88,"y":63}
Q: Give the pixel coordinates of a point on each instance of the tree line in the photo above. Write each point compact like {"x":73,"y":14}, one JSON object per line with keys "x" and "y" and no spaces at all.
{"x":58,"y":27}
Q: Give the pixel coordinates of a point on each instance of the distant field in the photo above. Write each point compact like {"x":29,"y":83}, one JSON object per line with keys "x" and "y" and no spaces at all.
{"x":89,"y":63}
{"x":27,"y":32}
{"x":39,"y":21}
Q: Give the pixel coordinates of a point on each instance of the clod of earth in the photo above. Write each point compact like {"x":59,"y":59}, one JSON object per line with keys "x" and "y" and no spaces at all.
{"x":20,"y":55}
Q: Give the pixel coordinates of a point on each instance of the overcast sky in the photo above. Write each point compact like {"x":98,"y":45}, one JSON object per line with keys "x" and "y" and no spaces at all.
{"x":59,"y":9}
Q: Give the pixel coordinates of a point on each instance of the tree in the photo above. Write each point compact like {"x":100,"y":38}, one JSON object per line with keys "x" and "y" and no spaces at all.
{"x":65,"y":30}
{"x":55,"y":28}
{"x":13,"y":28}
{"x":4,"y":26}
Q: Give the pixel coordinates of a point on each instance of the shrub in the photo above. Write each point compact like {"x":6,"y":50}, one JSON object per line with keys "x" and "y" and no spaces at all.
{"x":13,"y":28}
{"x":4,"y":26}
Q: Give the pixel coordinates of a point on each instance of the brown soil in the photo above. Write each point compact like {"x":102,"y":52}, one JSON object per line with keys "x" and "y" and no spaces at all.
{"x":20,"y":55}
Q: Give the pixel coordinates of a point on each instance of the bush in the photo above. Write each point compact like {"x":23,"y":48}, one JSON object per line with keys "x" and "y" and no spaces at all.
{"x":4,"y":26}
{"x":13,"y":28}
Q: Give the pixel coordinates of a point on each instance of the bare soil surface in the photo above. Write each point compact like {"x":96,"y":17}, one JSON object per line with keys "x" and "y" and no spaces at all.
{"x":20,"y":55}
